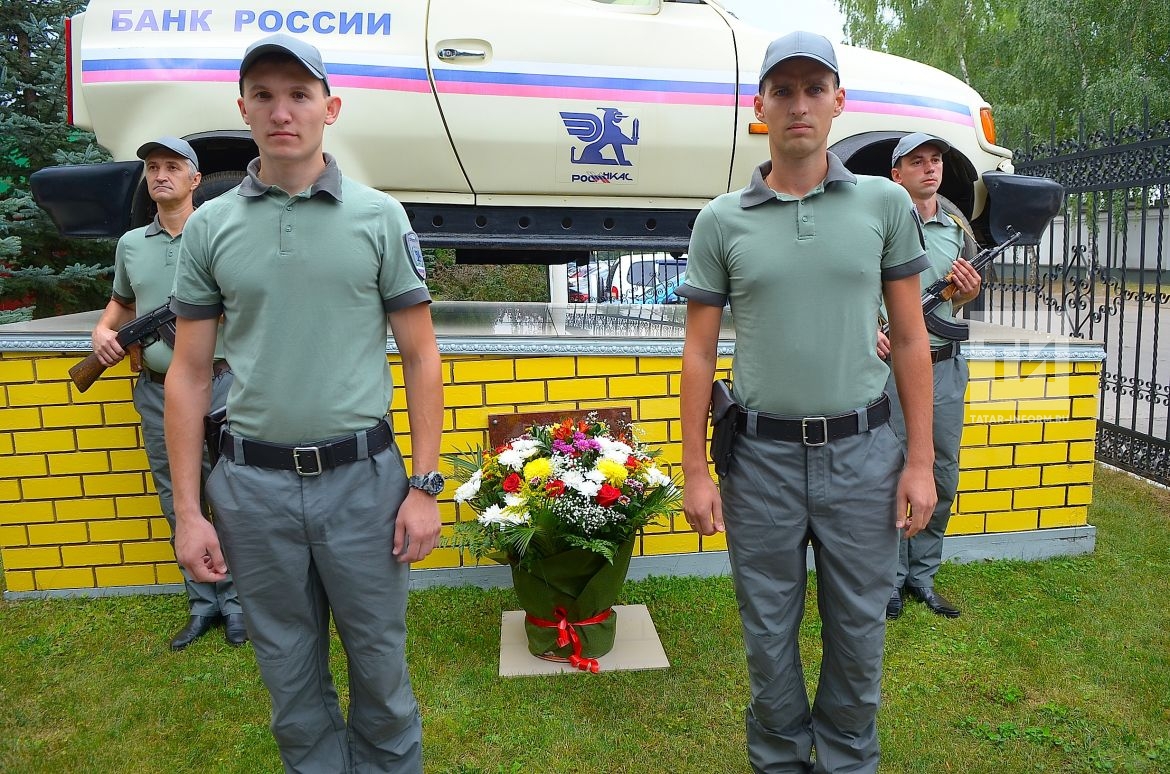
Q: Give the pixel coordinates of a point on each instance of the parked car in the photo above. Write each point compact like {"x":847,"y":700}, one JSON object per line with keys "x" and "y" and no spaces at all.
{"x":646,"y":278}
{"x":583,"y":282}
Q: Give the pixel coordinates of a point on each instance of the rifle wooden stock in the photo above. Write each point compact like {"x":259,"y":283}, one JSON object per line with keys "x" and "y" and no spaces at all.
{"x":88,"y":371}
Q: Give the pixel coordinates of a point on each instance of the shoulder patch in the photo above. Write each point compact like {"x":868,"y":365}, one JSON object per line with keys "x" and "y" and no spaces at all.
{"x":414,"y":250}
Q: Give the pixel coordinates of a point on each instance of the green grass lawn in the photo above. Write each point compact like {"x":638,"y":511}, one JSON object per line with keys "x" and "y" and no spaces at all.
{"x":1055,"y":666}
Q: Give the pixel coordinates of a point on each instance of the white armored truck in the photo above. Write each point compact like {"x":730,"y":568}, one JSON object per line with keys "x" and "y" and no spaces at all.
{"x":511,"y":130}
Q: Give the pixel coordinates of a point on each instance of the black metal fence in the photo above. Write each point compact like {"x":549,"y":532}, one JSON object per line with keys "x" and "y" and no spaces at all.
{"x":1103,"y":273}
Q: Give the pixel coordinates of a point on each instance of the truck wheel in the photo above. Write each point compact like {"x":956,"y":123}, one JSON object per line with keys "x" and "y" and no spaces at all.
{"x":215,"y":183}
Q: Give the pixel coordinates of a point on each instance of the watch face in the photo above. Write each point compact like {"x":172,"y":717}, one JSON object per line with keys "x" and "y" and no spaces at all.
{"x":432,"y":483}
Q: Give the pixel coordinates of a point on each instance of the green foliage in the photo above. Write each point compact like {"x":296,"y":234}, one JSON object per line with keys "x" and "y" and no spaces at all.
{"x":449,"y":281}
{"x":1039,"y":63}
{"x":41,"y":273}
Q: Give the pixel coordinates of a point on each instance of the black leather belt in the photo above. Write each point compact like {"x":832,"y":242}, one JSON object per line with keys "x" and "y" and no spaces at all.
{"x":307,"y":459}
{"x":816,"y":431}
{"x":945,"y":352}
{"x":160,"y":377}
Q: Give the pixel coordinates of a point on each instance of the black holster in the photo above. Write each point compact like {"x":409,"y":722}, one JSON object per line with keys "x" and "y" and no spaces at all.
{"x":213,"y":425}
{"x":724,"y":412}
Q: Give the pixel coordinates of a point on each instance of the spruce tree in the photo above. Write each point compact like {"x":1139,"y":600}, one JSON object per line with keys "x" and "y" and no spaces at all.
{"x":41,"y":273}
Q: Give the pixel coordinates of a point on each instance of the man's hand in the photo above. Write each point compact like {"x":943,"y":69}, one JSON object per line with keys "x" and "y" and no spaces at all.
{"x":702,"y":505}
{"x":966,"y":281}
{"x":917,"y":497}
{"x":416,"y":530}
{"x":883,"y":345}
{"x":106,"y":346}
{"x":197,"y":549}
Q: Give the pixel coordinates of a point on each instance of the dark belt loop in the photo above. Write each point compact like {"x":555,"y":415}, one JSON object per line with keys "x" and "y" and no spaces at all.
{"x":363,"y":448}
{"x":753,"y":418}
{"x":863,"y":420}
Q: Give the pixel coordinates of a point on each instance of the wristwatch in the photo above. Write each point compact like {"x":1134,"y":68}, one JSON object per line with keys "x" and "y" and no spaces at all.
{"x":432,"y":483}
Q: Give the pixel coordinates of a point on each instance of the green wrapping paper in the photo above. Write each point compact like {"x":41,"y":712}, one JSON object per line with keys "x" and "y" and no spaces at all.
{"x":581,"y":582}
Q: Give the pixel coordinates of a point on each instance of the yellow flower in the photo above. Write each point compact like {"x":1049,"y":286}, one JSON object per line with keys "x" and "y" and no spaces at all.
{"x":614,"y":472}
{"x":540,"y":468}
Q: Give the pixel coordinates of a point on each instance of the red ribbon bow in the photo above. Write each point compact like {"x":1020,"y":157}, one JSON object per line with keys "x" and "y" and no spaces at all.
{"x":566,"y":633}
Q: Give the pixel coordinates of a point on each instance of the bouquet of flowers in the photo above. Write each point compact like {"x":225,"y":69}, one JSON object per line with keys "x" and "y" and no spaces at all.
{"x":573,"y":485}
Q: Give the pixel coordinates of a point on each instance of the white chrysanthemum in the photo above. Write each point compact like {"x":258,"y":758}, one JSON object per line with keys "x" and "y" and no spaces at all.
{"x":571,"y":476}
{"x":493,"y":514}
{"x":655,"y":477}
{"x":504,"y":516}
{"x":469,"y":488}
{"x":512,"y":518}
{"x":614,"y":450}
{"x":517,"y":452}
{"x":587,"y":487}
{"x":514,"y":500}
{"x":596,"y":476}
{"x":526,"y":447}
{"x":511,"y":460}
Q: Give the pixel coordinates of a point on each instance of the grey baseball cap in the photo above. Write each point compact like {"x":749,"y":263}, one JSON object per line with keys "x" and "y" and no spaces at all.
{"x":305,"y":53}
{"x":912,"y":141}
{"x":174,"y":145}
{"x":799,"y":44}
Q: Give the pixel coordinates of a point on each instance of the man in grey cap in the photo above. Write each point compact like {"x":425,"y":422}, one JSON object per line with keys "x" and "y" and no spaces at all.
{"x":144,"y":270}
{"x":917,"y":164}
{"x":315,"y":513}
{"x":805,"y":254}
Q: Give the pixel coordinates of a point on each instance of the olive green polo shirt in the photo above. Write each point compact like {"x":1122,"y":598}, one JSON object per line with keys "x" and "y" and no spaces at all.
{"x":144,"y":271}
{"x":304,"y":282}
{"x":803,"y":276}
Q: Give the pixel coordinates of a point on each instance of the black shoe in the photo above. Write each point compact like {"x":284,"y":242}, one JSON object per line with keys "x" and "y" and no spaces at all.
{"x":895,"y":605}
{"x":936,"y":603}
{"x":233,"y":629}
{"x":197,"y":626}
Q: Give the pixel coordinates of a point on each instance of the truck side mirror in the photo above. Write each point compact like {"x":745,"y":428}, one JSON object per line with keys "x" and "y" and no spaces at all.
{"x":1025,"y":204}
{"x":88,"y":200}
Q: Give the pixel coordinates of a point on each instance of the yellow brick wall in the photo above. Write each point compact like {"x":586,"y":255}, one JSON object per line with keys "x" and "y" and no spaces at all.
{"x":77,"y":502}
{"x":78,"y":510}
{"x":1026,"y":460}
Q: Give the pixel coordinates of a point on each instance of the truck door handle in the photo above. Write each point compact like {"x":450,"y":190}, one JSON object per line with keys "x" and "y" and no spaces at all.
{"x":449,"y":54}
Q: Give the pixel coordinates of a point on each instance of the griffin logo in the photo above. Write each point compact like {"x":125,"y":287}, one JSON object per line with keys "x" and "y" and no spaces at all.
{"x":599,"y":132}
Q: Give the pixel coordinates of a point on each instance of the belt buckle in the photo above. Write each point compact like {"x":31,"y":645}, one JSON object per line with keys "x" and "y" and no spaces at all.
{"x":316,"y":459}
{"x":822,"y":422}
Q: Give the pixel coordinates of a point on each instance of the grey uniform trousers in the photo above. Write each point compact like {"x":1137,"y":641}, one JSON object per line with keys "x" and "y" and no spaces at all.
{"x":300,"y":549}
{"x":777,"y":497}
{"x":206,"y":599}
{"x":920,"y":556}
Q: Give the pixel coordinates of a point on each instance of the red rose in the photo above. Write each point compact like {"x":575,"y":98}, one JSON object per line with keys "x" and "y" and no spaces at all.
{"x":512,"y":483}
{"x":608,"y":495}
{"x":632,"y":462}
{"x":555,"y":488}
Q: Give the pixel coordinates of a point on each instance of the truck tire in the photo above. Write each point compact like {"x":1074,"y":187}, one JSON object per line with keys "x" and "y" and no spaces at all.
{"x":215,"y":183}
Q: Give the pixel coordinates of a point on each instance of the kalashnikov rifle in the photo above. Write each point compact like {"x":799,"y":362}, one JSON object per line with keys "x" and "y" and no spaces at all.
{"x":145,"y":330}
{"x":943,"y":290}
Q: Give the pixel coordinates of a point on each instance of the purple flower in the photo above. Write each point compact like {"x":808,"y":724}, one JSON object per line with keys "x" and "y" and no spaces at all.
{"x":586,"y":444}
